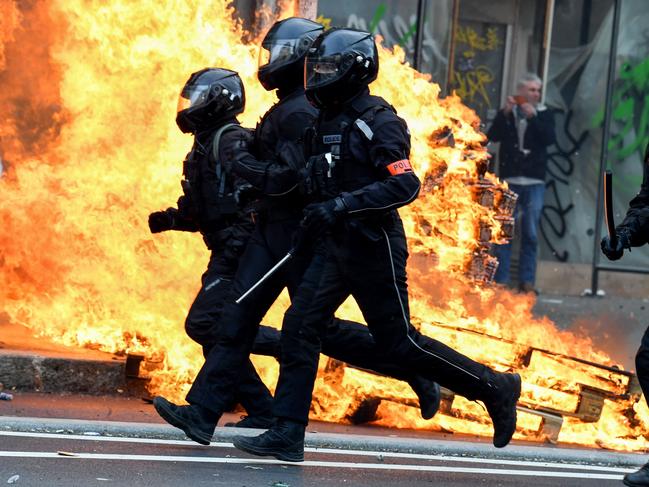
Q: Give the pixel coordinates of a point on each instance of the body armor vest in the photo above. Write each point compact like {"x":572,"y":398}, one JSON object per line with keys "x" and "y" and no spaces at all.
{"x":332,"y":136}
{"x":208,"y":188}
{"x":268,"y":138}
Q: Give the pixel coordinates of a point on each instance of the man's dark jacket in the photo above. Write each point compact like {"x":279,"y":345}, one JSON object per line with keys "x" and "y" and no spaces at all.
{"x":538,"y":136}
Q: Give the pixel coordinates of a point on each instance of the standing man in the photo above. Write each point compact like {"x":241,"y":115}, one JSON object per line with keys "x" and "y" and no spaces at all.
{"x":362,"y":172}
{"x":274,"y":171}
{"x":634,"y":232}
{"x":525,"y":129}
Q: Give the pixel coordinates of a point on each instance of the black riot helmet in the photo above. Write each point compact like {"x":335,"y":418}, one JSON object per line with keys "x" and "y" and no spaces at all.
{"x":281,"y":56}
{"x":210,"y":96}
{"x":339,"y":65}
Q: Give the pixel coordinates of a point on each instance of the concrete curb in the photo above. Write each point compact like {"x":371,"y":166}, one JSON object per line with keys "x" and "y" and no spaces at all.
{"x":337,"y":441}
{"x":28,"y":371}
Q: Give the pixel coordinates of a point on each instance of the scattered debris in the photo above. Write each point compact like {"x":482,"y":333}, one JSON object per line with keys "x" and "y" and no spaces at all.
{"x":5,"y":396}
{"x":279,"y":484}
{"x":91,"y":433}
{"x":66,"y":454}
{"x":251,"y":467}
{"x":13,"y":479}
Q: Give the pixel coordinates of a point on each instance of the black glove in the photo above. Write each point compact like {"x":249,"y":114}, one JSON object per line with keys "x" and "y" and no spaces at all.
{"x":314,"y":178}
{"x":320,"y":217}
{"x":161,"y":221}
{"x":615,"y":253}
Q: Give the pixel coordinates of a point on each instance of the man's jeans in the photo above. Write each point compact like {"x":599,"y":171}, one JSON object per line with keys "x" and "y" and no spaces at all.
{"x":528,"y":215}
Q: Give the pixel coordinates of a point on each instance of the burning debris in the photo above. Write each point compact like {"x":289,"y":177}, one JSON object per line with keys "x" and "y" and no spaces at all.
{"x":79,"y":265}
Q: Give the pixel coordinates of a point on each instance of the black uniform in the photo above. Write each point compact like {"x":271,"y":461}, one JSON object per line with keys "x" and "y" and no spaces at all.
{"x":365,"y":256}
{"x":277,"y":223}
{"x":634,"y":232}
{"x":211,"y":206}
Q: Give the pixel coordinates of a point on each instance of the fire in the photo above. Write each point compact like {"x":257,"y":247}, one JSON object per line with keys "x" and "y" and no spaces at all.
{"x":91,"y":144}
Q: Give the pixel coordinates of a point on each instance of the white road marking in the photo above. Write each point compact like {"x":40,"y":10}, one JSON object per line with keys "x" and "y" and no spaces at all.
{"x":367,"y":466}
{"x":333,"y":451}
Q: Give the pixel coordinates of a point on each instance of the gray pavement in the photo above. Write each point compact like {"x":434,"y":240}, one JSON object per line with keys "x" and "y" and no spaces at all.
{"x":45,"y":459}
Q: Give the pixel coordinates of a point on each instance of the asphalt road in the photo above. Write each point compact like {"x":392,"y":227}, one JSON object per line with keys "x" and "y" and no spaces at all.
{"x":68,"y":460}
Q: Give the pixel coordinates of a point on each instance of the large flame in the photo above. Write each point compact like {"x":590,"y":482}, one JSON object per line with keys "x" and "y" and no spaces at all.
{"x":91,"y":146}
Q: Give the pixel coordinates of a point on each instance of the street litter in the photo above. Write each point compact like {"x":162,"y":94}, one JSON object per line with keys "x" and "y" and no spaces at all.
{"x":66,"y":454}
{"x":5,"y":396}
{"x":253,"y":468}
{"x":13,"y":479}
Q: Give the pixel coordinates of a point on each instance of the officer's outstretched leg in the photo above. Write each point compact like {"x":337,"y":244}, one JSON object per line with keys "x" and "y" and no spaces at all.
{"x":384,"y":304}
{"x":351,"y":342}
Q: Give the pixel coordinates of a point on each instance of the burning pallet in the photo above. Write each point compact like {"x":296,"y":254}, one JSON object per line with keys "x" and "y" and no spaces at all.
{"x":556,"y":387}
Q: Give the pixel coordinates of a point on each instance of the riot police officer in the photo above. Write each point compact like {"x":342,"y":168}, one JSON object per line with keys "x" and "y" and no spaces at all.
{"x":273,"y":169}
{"x":360,"y":174}
{"x":634,"y":232}
{"x":218,"y":206}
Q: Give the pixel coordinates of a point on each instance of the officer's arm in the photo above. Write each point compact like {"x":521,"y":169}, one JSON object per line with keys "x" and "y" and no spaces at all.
{"x":271,"y":177}
{"x":636,"y":222}
{"x":389,"y":152}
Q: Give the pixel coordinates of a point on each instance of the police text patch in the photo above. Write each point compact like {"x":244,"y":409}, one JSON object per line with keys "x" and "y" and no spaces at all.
{"x":332,"y":139}
{"x":399,"y":167}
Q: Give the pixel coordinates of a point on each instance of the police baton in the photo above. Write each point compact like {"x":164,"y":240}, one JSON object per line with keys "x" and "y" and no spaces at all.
{"x":273,"y":270}
{"x":608,"y":207}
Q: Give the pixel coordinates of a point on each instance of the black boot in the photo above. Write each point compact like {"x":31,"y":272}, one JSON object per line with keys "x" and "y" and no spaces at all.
{"x":197,"y":422}
{"x":501,"y":396}
{"x":429,"y":395}
{"x":639,"y":478}
{"x":260,"y":422}
{"x":284,"y":441}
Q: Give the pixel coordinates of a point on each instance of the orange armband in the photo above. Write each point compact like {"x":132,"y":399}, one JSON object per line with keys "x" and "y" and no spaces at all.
{"x":399,"y":167}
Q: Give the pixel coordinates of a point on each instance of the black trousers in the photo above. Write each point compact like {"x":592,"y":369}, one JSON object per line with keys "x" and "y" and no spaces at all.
{"x":347,"y":341}
{"x":202,"y":326}
{"x":642,"y":364}
{"x":373,"y":271}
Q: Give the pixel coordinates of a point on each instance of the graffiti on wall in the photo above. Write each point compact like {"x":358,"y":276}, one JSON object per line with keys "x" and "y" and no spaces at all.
{"x":478,"y":65}
{"x":630,"y":114}
{"x":557,"y":211}
{"x":396,"y":30}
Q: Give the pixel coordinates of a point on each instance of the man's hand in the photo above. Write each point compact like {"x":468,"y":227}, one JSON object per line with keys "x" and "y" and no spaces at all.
{"x":320,"y":217}
{"x":615,"y":253}
{"x":161,"y":221}
{"x":509,"y":105}
{"x":528,"y":110}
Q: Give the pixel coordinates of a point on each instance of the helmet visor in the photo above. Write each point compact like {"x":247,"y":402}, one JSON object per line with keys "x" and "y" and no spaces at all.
{"x":280,"y":51}
{"x":192,"y":97}
{"x":321,"y":70}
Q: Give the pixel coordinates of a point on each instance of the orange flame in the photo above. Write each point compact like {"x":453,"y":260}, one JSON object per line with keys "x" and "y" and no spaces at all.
{"x":92,"y":148}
